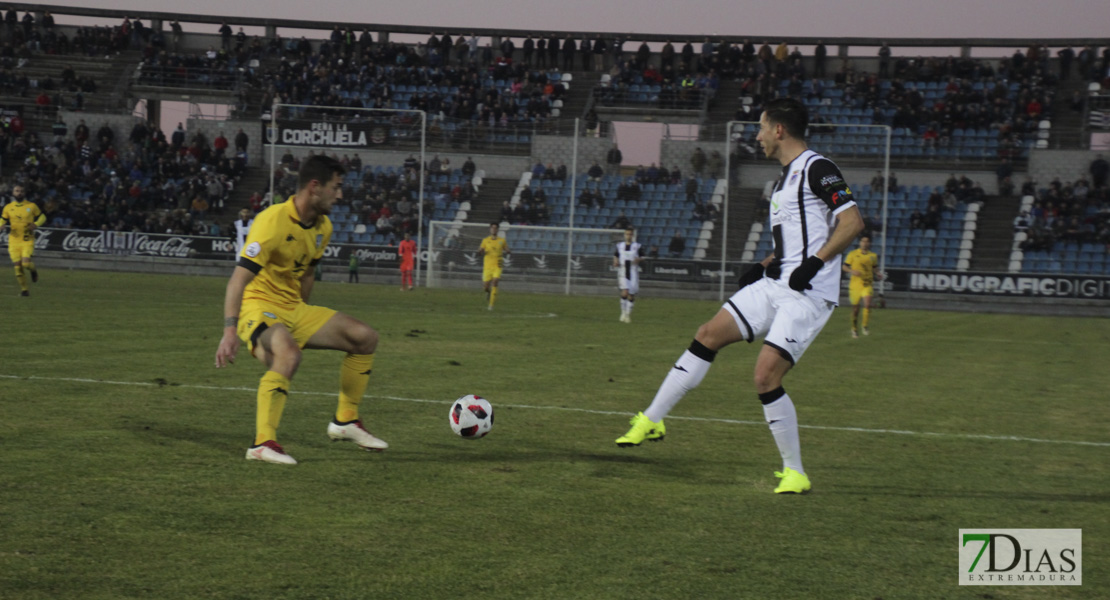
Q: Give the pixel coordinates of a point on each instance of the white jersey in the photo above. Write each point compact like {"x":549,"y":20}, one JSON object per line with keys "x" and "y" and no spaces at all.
{"x":241,"y":231}
{"x":804,"y":203}
{"x":628,"y":272}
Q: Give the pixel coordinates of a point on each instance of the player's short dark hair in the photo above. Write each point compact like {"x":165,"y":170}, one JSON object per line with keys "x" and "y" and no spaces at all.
{"x":866,"y":234}
{"x":630,"y":228}
{"x":321,"y":168}
{"x":495,"y":224}
{"x":791,"y":114}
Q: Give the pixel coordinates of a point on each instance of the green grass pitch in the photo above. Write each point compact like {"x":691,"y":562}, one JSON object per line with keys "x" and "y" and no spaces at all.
{"x":122,"y":471}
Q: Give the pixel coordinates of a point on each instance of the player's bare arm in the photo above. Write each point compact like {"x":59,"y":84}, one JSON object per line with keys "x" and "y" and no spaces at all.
{"x":849,"y":224}
{"x":233,"y":300}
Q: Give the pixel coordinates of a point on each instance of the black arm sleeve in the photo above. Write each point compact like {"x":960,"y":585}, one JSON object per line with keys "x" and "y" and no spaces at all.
{"x":249,"y":265}
{"x":826,"y":181}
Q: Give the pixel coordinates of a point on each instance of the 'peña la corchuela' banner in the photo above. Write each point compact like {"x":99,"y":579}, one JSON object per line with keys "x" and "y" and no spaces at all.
{"x":312,"y":133}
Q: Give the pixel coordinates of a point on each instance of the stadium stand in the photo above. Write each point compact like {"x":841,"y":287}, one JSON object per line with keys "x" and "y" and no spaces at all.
{"x":1063,"y":228}
{"x":950,"y":112}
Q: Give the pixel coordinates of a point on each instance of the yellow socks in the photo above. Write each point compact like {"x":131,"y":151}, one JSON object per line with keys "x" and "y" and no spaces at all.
{"x":272,"y":392}
{"x":354,"y":375}
{"x":866,"y":316}
{"x":20,"y":277}
{"x":492,"y":295}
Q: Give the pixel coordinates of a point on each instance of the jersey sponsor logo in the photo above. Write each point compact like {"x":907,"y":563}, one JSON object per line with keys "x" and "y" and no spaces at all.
{"x":289,"y":238}
{"x":253,"y":249}
{"x":269,"y":315}
{"x":319,"y":239}
{"x":830,"y":180}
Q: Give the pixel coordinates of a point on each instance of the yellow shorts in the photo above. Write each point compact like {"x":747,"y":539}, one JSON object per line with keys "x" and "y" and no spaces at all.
{"x":302,"y":321}
{"x":858,"y":291}
{"x":489,"y":272}
{"x":20,"y":250}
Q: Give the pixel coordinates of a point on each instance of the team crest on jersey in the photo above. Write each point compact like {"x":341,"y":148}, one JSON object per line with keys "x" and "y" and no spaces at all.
{"x":269,"y":315}
{"x":253,"y":249}
{"x":319,"y":239}
{"x":794,"y":177}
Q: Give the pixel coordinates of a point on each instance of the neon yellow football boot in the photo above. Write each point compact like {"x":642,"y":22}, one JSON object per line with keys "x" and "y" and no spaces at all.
{"x":792,"y":482}
{"x":642,"y":429}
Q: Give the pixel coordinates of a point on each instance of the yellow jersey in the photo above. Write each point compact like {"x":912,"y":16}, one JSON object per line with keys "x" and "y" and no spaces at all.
{"x":19,"y":215}
{"x":494,"y":248}
{"x":864,"y":262}
{"x":279,"y":250}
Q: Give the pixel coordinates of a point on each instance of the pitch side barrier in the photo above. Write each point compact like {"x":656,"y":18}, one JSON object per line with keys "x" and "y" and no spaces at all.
{"x":106,"y":244}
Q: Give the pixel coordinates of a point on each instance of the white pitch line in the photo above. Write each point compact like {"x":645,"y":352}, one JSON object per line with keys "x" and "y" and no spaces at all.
{"x":965,"y":436}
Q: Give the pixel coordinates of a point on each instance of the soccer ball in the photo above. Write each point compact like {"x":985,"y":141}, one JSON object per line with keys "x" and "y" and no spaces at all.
{"x":471,"y":417}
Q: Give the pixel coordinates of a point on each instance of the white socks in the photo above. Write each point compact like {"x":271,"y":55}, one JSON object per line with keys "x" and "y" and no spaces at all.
{"x":626,"y":306}
{"x":686,"y":374}
{"x":783,"y":421}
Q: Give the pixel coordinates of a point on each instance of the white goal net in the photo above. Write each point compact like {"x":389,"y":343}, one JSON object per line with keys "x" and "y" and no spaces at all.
{"x":545,"y":258}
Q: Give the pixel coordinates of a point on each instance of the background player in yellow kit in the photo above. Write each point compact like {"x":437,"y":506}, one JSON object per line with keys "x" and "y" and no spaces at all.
{"x":863,"y":264}
{"x":494,"y":249}
{"x":23,"y":216}
{"x":266,"y":307}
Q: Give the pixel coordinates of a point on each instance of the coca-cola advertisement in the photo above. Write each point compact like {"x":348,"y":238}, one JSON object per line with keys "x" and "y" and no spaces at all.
{"x":131,"y":243}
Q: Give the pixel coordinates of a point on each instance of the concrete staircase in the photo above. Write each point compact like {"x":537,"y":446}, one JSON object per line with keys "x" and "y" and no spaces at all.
{"x":576,"y":98}
{"x":1067,"y":124}
{"x":256,"y":179}
{"x":487,"y":207}
{"x":723,"y":107}
{"x":741,"y":212}
{"x":994,"y":235}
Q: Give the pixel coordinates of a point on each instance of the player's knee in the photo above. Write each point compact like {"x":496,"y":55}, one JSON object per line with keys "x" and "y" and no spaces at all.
{"x":707,"y":335}
{"x":766,"y":379}
{"x":286,"y":353}
{"x":364,"y":339}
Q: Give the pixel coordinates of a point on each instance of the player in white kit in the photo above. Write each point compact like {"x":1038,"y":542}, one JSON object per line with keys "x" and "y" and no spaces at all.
{"x":627,"y":262}
{"x":787,"y":298}
{"x":242,"y":228}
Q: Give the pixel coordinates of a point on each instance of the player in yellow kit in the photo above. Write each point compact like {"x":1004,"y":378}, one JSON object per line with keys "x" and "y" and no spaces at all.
{"x":863,"y":265}
{"x":266,"y":306}
{"x":494,"y":249}
{"x":23,"y":216}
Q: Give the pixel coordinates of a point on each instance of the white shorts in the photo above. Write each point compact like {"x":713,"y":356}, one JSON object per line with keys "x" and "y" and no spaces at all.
{"x":625,"y":283}
{"x":788,"y":320}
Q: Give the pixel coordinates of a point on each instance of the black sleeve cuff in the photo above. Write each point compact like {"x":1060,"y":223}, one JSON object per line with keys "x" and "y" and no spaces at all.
{"x":249,"y":265}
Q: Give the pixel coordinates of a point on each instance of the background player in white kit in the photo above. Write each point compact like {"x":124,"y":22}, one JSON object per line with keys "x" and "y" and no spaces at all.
{"x":787,"y":298}
{"x":627,"y":261}
{"x":242,"y":228}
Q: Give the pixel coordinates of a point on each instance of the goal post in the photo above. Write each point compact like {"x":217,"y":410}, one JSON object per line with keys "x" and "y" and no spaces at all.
{"x":858,"y":139}
{"x":348,"y":129}
{"x":545,"y":258}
